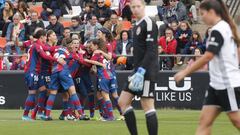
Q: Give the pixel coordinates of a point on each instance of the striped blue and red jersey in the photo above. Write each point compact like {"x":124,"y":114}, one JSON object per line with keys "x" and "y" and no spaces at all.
{"x":60,"y":52}
{"x":110,"y":51}
{"x":74,"y":63}
{"x":101,"y":72}
{"x":46,"y":66}
{"x":35,"y":53}
{"x":84,"y":67}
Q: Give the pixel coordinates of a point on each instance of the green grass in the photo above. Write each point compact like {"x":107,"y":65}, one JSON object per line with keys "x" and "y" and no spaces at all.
{"x":171,"y":122}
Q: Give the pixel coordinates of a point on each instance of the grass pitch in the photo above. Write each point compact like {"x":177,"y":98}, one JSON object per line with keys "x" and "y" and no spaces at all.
{"x":171,"y":122}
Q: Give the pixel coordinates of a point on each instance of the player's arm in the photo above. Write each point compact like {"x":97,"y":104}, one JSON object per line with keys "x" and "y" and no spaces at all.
{"x":49,"y":48}
{"x":151,"y":38}
{"x":214,"y":47}
{"x":94,"y":60}
{"x":43,"y":54}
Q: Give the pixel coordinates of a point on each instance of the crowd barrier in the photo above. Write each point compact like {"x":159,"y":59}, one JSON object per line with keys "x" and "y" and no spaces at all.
{"x":189,"y":94}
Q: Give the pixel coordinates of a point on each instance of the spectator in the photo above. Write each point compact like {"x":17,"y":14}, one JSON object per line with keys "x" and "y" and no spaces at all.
{"x":86,"y":13}
{"x":91,"y":28}
{"x":22,"y":9}
{"x":180,"y":10}
{"x":66,"y":35}
{"x":124,"y":44}
{"x":56,"y":26}
{"x":102,"y":12}
{"x":183,"y":36}
{"x":174,"y":27}
{"x":167,"y":45}
{"x":15,"y":35}
{"x":193,"y":11}
{"x":32,"y":25}
{"x":6,"y":15}
{"x":76,"y":36}
{"x":77,"y":26}
{"x":195,"y":42}
{"x":56,"y":7}
{"x":175,"y":11}
{"x":18,"y":64}
{"x":114,"y":25}
{"x":126,"y":12}
{"x":197,"y":52}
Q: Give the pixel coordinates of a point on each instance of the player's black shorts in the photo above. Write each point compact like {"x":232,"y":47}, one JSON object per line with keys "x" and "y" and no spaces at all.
{"x":228,"y":99}
{"x":147,"y":92}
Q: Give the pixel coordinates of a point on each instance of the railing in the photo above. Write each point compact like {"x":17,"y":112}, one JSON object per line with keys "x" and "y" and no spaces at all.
{"x":167,"y":62}
{"x":233,"y":6}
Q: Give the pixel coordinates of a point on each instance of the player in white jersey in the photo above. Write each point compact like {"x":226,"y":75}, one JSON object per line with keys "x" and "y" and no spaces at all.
{"x":223,"y":56}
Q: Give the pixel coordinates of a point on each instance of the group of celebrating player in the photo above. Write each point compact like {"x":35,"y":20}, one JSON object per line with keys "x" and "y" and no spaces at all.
{"x":52,"y":69}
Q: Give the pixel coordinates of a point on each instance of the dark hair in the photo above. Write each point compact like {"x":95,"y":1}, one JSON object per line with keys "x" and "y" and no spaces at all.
{"x":100,"y":43}
{"x":187,"y":23}
{"x":39,"y":34}
{"x":77,"y":18}
{"x":108,"y":34}
{"x":49,"y":33}
{"x":124,"y":32}
{"x":220,"y":8}
{"x":23,"y":5}
{"x":201,"y":52}
{"x":198,"y":34}
{"x":92,"y":16}
{"x":66,"y":28}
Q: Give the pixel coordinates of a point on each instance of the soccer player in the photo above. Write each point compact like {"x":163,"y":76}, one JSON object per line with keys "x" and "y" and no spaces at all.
{"x":86,"y":82}
{"x":104,"y":76}
{"x":32,"y":70}
{"x":61,"y":77}
{"x":142,"y":82}
{"x":105,"y":35}
{"x":222,"y":54}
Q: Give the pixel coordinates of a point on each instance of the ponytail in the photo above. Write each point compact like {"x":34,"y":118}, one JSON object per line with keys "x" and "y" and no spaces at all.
{"x":220,"y":8}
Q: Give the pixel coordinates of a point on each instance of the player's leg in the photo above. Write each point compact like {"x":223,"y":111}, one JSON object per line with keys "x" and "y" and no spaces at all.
{"x":125,"y":101}
{"x":65,"y":101}
{"x":147,"y":102}
{"x":100,"y":100}
{"x":150,"y":114}
{"x":53,"y":87}
{"x":116,"y":99}
{"x":108,"y":104}
{"x":114,"y":89}
{"x":50,"y":103}
{"x":208,"y":115}
{"x":235,"y":119}
{"x":234,"y":101}
{"x":210,"y":111}
{"x":29,"y":104}
{"x":31,"y":81}
{"x":89,"y":86}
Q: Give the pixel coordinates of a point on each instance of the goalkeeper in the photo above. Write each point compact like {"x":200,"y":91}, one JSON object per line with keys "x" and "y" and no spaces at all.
{"x":142,"y":82}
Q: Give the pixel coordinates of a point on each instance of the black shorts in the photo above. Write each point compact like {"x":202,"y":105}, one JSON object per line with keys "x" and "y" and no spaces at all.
{"x":228,"y":99}
{"x":147,"y":92}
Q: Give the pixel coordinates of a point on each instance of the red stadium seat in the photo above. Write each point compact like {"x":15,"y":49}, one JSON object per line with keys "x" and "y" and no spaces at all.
{"x":3,"y":42}
{"x":66,"y":23}
{"x":126,"y":25}
{"x":37,"y":8}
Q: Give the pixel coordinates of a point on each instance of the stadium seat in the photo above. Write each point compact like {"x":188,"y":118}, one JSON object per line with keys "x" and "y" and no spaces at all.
{"x":37,"y":8}
{"x":151,"y":11}
{"x":126,"y":25}
{"x":3,"y":42}
{"x":76,"y":12}
{"x":108,"y":3}
{"x":66,"y":23}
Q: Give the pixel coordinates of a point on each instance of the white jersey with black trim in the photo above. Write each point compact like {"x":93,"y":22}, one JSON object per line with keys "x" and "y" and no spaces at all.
{"x":224,"y":67}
